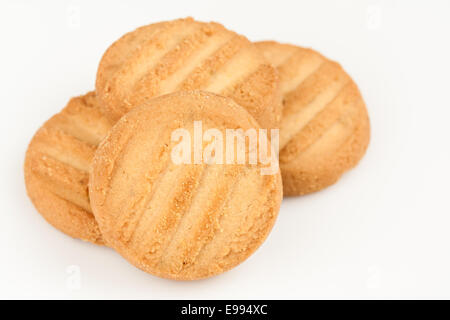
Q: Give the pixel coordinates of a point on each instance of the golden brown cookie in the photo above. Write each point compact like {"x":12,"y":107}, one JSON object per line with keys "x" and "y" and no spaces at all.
{"x":57,"y":167}
{"x":324,"y":130}
{"x":185,"y":54}
{"x":180,"y":221}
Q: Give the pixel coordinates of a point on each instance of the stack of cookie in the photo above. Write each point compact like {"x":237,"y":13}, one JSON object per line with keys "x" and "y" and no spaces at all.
{"x":103,"y":168}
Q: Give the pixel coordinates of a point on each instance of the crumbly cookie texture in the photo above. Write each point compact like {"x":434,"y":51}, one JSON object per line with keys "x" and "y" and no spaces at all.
{"x":185,"y":54}
{"x":57,"y":167}
{"x":324,"y":129}
{"x":180,"y":221}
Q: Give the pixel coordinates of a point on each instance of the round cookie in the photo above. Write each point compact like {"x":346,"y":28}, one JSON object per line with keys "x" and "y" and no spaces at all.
{"x":57,"y":167}
{"x":324,"y":130}
{"x":180,"y":221}
{"x":185,"y":54}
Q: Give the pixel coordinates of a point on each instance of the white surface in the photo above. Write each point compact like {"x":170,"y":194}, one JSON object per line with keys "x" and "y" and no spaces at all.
{"x":381,"y":232}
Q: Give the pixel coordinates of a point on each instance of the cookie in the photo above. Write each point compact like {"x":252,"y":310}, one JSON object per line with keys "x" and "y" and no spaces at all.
{"x":57,"y":167}
{"x":324,"y":130}
{"x":181,"y":221}
{"x":185,"y":54}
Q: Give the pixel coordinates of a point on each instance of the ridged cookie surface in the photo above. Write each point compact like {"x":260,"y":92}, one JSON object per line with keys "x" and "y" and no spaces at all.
{"x":186,"y":54}
{"x":324,"y":130}
{"x":180,"y":221}
{"x":57,"y":167}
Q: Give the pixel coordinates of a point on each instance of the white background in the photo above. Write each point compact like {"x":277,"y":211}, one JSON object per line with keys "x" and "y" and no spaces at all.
{"x":382,"y":232}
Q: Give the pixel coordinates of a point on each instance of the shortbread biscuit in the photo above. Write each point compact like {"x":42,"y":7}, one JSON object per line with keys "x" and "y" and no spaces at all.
{"x":324,"y":130}
{"x":57,"y":167}
{"x":186,"y":54}
{"x":180,"y":221}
